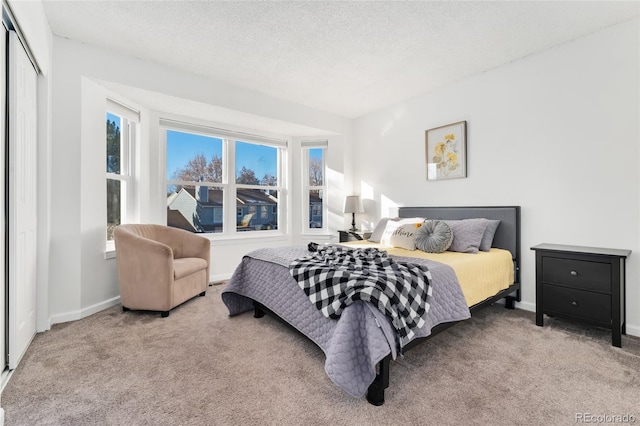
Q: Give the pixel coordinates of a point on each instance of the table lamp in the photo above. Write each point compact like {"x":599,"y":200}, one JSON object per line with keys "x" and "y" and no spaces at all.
{"x":352,"y":205}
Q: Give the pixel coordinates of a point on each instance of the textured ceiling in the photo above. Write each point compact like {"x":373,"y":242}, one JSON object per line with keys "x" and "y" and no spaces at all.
{"x":348,"y":58}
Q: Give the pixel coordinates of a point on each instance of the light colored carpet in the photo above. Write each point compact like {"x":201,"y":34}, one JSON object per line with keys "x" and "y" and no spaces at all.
{"x":201,"y":367}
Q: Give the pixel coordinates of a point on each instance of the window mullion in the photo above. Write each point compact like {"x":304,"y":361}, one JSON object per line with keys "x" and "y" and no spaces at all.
{"x":230,"y":212}
{"x":114,"y":176}
{"x":124,"y":147}
{"x":130,"y":192}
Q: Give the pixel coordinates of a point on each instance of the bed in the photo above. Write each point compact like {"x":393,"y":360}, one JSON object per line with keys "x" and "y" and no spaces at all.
{"x":361,"y":344}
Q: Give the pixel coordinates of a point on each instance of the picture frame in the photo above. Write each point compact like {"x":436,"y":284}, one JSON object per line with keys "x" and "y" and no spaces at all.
{"x":446,"y":151}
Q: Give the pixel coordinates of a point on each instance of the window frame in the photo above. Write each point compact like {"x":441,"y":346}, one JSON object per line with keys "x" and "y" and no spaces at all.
{"x":306,"y":147}
{"x":129,"y":127}
{"x":228,"y":185}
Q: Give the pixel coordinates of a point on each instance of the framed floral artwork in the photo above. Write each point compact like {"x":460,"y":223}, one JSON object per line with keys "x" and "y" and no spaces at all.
{"x":447,"y":151}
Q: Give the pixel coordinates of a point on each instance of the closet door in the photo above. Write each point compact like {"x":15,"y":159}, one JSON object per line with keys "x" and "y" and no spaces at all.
{"x":22,"y":200}
{"x":3,"y":169}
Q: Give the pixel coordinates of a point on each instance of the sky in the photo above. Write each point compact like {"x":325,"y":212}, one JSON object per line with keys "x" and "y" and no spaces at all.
{"x":315,"y":153}
{"x":181,"y":147}
{"x":113,"y":118}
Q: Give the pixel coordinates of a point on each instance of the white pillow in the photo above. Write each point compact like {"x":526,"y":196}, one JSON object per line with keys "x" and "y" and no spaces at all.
{"x":404,"y":236}
{"x":392,"y":225}
{"x":379,"y":229}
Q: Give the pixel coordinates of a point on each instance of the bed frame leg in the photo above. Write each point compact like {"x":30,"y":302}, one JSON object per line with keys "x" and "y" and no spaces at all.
{"x":510,"y":302}
{"x":375,"y":394}
{"x":257,"y":311}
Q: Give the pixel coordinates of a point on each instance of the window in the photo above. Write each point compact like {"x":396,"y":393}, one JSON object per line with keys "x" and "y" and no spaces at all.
{"x":195,"y":194}
{"x":219,"y":183}
{"x":121,"y":137}
{"x":314,"y":184}
{"x":257,"y":186}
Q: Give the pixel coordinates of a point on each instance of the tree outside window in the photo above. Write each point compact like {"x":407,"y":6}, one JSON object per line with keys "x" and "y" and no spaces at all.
{"x":114,"y":194}
{"x":314,"y":184}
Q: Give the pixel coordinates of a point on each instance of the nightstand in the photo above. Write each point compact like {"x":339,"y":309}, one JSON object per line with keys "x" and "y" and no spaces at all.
{"x":353,"y":235}
{"x":582,"y":283}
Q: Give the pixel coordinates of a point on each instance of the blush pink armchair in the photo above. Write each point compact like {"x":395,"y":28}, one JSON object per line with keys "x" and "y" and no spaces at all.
{"x":160,"y":267}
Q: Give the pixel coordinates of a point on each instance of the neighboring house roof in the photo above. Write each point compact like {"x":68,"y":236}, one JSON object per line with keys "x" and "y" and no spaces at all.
{"x":243,"y":196}
{"x":171,"y":197}
{"x":215,"y":197}
{"x":181,"y":209}
{"x":251,"y":196}
{"x":177,"y":220}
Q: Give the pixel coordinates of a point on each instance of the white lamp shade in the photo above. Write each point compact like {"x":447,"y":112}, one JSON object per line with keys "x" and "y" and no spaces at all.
{"x":352,"y":204}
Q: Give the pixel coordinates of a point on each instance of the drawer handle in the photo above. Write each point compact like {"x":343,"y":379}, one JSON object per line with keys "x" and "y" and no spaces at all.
{"x":574,"y":274}
{"x":574,"y":303}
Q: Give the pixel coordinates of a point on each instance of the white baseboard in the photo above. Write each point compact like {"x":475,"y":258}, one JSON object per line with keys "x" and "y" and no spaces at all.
{"x":219,"y":277}
{"x":90,"y":310}
{"x":84,"y":312}
{"x":633,"y":330}
{"x":47,"y":326}
{"x":4,"y":379}
{"x":526,"y":306}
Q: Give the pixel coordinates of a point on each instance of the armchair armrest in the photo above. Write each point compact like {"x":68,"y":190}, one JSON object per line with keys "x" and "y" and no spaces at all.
{"x":194,"y":245}
{"x":145,"y":267}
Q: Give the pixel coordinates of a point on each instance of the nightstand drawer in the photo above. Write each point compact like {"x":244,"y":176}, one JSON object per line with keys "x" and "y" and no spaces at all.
{"x":579,"y":274}
{"x":577,"y":303}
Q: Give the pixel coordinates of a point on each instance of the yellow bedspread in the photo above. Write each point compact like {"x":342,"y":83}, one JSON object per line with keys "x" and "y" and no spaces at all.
{"x":481,"y":275}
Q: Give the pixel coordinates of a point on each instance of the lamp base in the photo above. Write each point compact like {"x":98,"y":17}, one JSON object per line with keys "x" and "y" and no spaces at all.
{"x":353,"y":223}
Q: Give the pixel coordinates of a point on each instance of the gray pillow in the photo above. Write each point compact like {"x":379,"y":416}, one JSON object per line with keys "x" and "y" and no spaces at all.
{"x":489,"y":233}
{"x":434,"y":236}
{"x":467,"y":234}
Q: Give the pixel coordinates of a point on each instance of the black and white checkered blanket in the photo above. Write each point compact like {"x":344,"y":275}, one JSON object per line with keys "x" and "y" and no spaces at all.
{"x":334,"y":277}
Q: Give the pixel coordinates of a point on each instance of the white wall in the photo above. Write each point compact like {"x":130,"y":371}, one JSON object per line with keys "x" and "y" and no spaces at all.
{"x":556,"y":133}
{"x":82,"y":281}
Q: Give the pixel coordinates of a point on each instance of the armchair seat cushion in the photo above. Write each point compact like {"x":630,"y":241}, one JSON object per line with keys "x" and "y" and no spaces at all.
{"x":187,"y":266}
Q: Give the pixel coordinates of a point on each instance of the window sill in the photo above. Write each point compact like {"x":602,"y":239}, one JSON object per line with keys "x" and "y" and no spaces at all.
{"x":322,"y":236}
{"x":243,"y":239}
{"x":110,"y":253}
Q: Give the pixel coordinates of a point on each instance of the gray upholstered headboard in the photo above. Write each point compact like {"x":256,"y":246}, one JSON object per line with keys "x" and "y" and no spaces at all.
{"x":507,"y":236}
